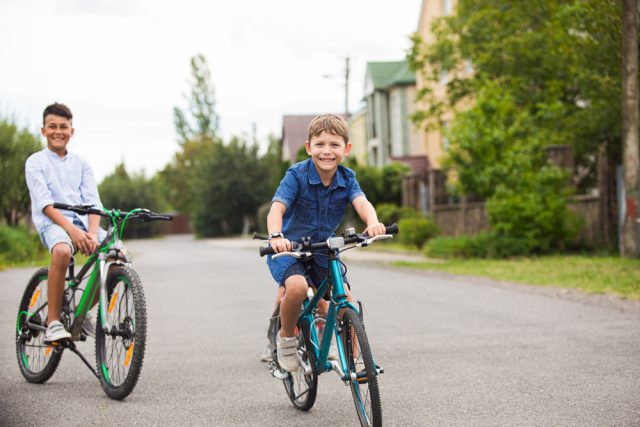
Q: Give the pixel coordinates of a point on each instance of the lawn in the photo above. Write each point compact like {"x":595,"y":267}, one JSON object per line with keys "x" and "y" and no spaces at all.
{"x":593,"y":274}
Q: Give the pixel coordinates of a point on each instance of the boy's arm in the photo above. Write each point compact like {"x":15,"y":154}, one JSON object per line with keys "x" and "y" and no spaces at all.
{"x":89,"y":194}
{"x":367,"y":214}
{"x":274,"y":225}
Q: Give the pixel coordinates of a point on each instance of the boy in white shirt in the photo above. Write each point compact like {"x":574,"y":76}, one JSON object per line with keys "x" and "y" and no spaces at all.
{"x":55,"y":175}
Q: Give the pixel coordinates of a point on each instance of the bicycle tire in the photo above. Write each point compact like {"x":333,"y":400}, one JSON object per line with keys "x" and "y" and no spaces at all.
{"x":301,"y":387}
{"x":37,"y":361}
{"x":120,"y":351}
{"x":364,"y":389}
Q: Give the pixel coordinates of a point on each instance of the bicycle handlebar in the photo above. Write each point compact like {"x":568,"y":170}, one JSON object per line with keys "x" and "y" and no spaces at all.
{"x":358,"y":238}
{"x":144,"y":214}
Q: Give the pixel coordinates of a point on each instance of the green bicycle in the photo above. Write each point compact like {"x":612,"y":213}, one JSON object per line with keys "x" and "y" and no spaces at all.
{"x":355,"y":364}
{"x":121,"y":324}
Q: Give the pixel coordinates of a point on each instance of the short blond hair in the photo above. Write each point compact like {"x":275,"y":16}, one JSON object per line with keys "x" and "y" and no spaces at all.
{"x":330,"y":123}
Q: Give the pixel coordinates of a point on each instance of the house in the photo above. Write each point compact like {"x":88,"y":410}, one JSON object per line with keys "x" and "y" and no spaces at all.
{"x":389,"y":96}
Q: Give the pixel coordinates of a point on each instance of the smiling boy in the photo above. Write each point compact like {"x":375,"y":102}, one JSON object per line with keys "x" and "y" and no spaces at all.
{"x":55,"y":175}
{"x":310,"y":202}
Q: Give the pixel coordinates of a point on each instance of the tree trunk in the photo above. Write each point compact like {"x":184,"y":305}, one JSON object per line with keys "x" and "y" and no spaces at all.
{"x":629,"y":239}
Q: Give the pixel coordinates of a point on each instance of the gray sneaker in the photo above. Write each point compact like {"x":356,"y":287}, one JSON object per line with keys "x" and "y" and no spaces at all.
{"x":288,"y":353}
{"x":89,"y":324}
{"x":56,"y":332}
{"x":267,"y":353}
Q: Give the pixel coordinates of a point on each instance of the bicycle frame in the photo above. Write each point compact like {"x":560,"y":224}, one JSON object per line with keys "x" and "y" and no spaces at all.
{"x":338,"y":302}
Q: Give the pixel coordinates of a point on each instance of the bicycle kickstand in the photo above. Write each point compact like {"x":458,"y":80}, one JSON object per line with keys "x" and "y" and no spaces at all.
{"x":72,"y":347}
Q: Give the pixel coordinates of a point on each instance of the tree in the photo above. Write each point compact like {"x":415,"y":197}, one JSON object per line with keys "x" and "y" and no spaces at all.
{"x":543,"y":74}
{"x":16,"y":145}
{"x":197,"y":130}
{"x":127,"y":191}
{"x":230,"y":183}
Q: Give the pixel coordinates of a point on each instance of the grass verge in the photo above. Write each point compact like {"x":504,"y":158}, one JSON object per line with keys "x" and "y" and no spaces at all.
{"x":592,"y":274}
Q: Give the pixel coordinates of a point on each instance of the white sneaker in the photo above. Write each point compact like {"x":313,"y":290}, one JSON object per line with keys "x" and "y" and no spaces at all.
{"x":89,"y":324}
{"x":288,"y":353}
{"x":56,"y":332}
{"x":267,"y":354}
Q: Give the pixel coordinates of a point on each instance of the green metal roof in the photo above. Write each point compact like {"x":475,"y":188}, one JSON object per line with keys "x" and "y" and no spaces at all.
{"x":391,"y":73}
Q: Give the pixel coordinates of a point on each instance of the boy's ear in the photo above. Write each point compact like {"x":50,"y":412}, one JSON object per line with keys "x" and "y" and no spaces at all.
{"x":347,"y":149}
{"x":307,"y":147}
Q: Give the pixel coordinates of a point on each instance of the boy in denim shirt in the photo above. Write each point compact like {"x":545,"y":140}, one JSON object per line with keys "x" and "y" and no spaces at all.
{"x":310,"y":202}
{"x":55,"y":175}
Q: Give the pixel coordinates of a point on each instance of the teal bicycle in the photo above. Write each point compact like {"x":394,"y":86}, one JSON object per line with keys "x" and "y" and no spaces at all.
{"x":121,"y":322}
{"x":355,"y":364}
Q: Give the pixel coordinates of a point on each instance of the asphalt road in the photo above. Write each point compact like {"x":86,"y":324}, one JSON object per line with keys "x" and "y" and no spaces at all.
{"x":456,"y":351}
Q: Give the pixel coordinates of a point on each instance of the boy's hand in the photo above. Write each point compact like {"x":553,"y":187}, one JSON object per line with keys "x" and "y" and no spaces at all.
{"x":375,"y":229}
{"x":278,"y":244}
{"x":93,"y":238}
{"x":80,"y":240}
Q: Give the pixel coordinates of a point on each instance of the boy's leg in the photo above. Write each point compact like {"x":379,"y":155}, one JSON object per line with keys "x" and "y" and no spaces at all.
{"x":295,"y":293}
{"x":60,"y":258}
{"x":59,"y":244}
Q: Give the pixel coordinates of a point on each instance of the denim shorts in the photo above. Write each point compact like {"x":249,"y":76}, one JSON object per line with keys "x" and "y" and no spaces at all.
{"x":313,"y":273}
{"x":53,"y":234}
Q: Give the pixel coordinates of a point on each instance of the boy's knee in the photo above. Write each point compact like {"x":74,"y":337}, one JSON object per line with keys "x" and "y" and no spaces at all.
{"x":61,"y":254}
{"x":296,"y":286}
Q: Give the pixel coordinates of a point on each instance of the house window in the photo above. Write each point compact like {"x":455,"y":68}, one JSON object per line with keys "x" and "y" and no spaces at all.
{"x":447,"y":6}
{"x":445,"y":136}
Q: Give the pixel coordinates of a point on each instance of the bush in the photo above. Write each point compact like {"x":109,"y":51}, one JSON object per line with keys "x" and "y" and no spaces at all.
{"x":389,"y":213}
{"x":482,"y":245}
{"x":263,"y":211}
{"x":416,"y":231}
{"x":18,"y":244}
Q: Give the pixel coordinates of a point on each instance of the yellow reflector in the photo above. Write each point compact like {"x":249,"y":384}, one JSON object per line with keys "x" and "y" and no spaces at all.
{"x":112,"y":303}
{"x":34,"y":298}
{"x":129,"y":353}
{"x":47,"y":351}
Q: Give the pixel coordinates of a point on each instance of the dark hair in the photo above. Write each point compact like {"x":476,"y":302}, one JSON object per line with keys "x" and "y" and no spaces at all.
{"x":57,"y":110}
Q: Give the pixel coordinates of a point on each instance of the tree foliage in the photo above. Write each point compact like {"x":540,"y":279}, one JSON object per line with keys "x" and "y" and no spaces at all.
{"x":16,"y":145}
{"x":127,"y":191}
{"x":557,"y":60}
{"x":521,"y":78}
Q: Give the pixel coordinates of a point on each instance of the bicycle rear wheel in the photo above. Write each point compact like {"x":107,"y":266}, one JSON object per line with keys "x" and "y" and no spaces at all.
{"x":302,"y":384}
{"x":361,"y":370}
{"x":120,"y":350}
{"x":37,"y":361}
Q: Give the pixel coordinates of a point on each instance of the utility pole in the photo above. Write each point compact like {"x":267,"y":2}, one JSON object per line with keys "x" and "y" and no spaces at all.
{"x":346,"y":88}
{"x":629,"y":246}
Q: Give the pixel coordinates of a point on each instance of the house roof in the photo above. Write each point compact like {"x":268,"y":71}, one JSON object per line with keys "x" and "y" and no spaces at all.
{"x":390,"y":73}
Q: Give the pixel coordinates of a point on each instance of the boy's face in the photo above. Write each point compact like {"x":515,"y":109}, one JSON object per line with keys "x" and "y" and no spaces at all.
{"x":327,"y":151}
{"x":58,"y":131}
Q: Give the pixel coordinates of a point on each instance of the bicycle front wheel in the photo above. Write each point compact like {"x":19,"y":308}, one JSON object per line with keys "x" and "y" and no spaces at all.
{"x":120,"y":349}
{"x":37,"y":361}
{"x":361,"y":370}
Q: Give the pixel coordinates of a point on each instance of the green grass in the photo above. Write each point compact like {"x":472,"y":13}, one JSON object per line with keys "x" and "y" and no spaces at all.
{"x":592,"y":274}
{"x":42,"y":261}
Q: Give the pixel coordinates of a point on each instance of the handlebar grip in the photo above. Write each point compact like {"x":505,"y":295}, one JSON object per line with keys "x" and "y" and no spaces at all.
{"x":392,"y":229}
{"x":258,"y":236}
{"x":266,"y":251}
{"x":61,"y":206}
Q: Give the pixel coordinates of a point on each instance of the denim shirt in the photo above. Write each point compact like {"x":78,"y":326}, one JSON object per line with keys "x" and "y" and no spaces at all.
{"x":312,"y":210}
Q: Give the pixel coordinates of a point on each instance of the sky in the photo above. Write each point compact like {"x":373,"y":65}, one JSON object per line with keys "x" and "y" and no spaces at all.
{"x":123,"y":65}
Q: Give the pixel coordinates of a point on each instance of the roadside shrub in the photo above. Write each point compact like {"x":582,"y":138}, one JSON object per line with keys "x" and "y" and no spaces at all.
{"x":416,"y":231}
{"x":19,"y":244}
{"x":389,"y":213}
{"x":482,"y":245}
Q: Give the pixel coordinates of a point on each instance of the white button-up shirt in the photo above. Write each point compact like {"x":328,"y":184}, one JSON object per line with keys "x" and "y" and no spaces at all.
{"x":67,"y":179}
